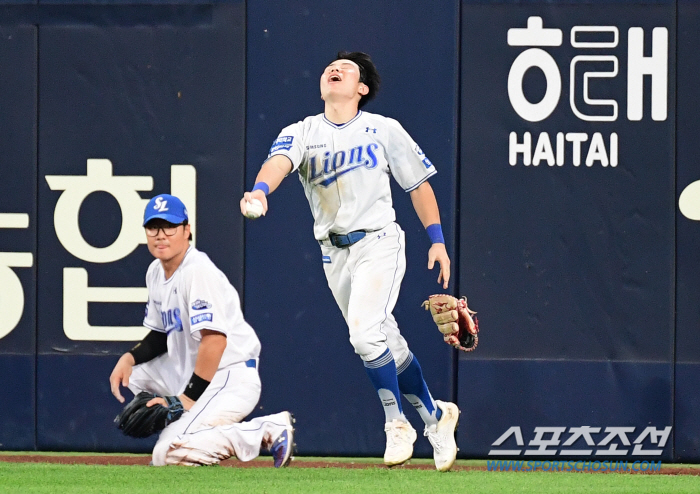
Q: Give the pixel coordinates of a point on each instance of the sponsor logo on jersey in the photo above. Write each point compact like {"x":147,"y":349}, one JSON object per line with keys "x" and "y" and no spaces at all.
{"x":316,"y":146}
{"x":326,"y":259}
{"x":201,"y":305}
{"x":327,"y":168}
{"x":207,"y":316}
{"x":282,"y":143}
{"x":427,"y":163}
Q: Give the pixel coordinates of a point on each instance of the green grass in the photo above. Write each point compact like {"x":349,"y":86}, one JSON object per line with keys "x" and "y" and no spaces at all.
{"x":54,"y":478}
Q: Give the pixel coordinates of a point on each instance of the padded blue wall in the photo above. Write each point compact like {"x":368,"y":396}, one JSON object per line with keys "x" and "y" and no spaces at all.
{"x":147,"y":94}
{"x":18,"y":244}
{"x":585,"y":278}
{"x":571,"y":265}
{"x":687,"y":400}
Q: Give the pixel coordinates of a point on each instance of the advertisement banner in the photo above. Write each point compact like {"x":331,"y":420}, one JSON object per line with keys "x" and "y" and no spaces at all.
{"x":567,"y":222}
{"x":127,"y":112}
{"x":568,"y":186}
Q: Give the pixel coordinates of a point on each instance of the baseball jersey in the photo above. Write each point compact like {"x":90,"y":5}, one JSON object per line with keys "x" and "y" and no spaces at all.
{"x":197,"y":296}
{"x":345,"y":169}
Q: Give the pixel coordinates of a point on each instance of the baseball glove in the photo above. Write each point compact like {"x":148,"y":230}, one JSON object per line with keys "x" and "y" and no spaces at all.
{"x":139,"y":420}
{"x":454,"y":320}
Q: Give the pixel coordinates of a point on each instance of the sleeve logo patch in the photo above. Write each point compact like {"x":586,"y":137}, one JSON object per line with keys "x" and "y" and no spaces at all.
{"x":207,"y":316}
{"x":283,"y":143}
{"x":201,"y":305}
{"x":419,"y":151}
{"x":427,"y":163}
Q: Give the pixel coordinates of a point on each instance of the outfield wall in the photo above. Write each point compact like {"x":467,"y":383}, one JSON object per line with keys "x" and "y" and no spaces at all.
{"x":563,"y":134}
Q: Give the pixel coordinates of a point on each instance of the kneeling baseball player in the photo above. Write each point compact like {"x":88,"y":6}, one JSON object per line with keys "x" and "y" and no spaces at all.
{"x":195,"y":375}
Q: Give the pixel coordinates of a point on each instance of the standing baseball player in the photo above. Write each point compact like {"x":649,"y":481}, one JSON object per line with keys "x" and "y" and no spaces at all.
{"x":344,"y":157}
{"x":200,"y":351}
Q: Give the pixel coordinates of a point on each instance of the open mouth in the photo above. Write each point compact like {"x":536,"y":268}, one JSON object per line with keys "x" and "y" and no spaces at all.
{"x":334,"y":78}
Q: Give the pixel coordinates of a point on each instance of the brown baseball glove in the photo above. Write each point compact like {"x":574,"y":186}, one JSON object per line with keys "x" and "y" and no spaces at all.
{"x":454,"y":320}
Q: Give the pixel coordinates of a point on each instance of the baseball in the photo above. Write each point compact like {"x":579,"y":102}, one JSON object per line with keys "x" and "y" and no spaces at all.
{"x":253,"y":209}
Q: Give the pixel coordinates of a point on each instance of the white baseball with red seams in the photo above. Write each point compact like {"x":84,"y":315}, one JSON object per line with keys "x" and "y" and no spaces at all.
{"x":253,"y":209}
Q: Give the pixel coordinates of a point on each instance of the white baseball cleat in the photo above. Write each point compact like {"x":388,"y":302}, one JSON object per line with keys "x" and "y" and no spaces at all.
{"x":400,"y":437}
{"x":442,"y":436}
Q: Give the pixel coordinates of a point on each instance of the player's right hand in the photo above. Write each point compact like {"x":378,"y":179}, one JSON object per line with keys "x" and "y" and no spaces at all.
{"x":120,"y":375}
{"x":256,"y":194}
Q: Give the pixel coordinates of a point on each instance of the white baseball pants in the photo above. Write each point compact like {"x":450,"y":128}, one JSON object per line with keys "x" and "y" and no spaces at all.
{"x":210,"y":431}
{"x":365,"y":279}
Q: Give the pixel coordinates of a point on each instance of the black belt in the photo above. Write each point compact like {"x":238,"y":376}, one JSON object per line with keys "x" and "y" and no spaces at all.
{"x":344,"y":240}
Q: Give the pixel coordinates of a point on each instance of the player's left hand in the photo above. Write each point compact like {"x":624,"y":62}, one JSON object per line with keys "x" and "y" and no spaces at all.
{"x":438,"y":253}
{"x":454,"y":320}
{"x":186,"y":402}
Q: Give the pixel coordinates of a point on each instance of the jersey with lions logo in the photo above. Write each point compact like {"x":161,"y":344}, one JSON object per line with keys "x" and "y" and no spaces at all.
{"x":345,"y":169}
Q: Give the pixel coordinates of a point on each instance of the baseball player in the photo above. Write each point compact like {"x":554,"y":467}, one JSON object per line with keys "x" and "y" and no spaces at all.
{"x":199,"y":349}
{"x":344,"y":157}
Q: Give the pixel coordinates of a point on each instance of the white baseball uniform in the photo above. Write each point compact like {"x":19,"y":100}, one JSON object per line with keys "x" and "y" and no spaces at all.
{"x":345,"y":172}
{"x":199,"y":296}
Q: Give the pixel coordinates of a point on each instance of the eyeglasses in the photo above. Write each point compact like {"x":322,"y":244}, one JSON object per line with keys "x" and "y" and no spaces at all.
{"x":152,"y":231}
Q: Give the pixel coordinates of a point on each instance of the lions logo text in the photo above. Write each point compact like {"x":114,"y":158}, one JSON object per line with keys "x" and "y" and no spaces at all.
{"x":326,"y":168}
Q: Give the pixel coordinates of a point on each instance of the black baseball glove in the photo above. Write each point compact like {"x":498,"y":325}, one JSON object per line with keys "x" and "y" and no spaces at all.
{"x":139,"y":420}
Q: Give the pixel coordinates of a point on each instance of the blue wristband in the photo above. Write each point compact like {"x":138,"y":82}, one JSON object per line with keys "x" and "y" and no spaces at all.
{"x":261,"y":186}
{"x":435,"y":233}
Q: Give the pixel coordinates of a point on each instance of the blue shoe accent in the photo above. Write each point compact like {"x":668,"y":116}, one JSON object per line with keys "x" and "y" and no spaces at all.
{"x":283,"y":447}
